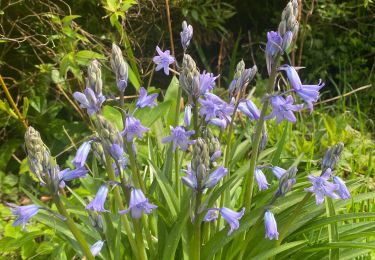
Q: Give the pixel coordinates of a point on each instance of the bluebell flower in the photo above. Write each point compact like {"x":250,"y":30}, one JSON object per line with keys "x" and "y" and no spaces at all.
{"x":122,"y":162}
{"x":214,"y":107}
{"x":81,"y":155}
{"x":220,"y":122}
{"x":180,"y":137}
{"x":97,"y":204}
{"x":283,"y":109}
{"x":190,"y":179}
{"x":271,"y":226}
{"x":89,"y":101}
{"x":117,"y":152}
{"x":23,"y":213}
{"x":309,"y":93}
{"x":273,"y":47}
{"x":249,"y":109}
{"x":68,"y":175}
{"x":163,"y":60}
{"x":215,"y":155}
{"x":322,"y":187}
{"x":230,"y":216}
{"x":342,"y":190}
{"x":208,"y":182}
{"x":287,"y":40}
{"x":215,"y":177}
{"x":278,"y":171}
{"x":261,"y":179}
{"x":186,"y":34}
{"x":133,"y":128}
{"x":187,"y":115}
{"x":206,"y":82}
{"x":138,"y":204}
{"x":97,"y":247}
{"x":144,"y":100}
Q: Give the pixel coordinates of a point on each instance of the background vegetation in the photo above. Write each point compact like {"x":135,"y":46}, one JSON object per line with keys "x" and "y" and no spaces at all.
{"x":46,"y":45}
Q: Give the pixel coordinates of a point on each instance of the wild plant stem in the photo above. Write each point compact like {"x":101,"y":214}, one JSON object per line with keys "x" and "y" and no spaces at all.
{"x":196,"y":241}
{"x":249,"y":179}
{"x":176,"y":122}
{"x":120,"y":206}
{"x":195,"y":119}
{"x":12,"y":103}
{"x":73,"y":228}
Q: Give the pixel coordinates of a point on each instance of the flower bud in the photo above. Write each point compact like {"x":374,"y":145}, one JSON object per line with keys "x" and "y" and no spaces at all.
{"x":186,"y":35}
{"x":189,"y":78}
{"x":332,"y":157}
{"x":286,"y":181}
{"x":94,"y":78}
{"x":200,"y":161}
{"x":120,"y":67}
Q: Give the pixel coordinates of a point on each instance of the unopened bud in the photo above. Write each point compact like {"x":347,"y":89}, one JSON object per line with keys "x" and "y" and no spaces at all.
{"x":332,"y":157}
{"x":186,"y":35}
{"x":200,"y":161}
{"x":120,"y":67}
{"x":94,"y":78}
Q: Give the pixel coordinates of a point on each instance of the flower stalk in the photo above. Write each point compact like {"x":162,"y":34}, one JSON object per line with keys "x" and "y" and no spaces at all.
{"x":249,"y":179}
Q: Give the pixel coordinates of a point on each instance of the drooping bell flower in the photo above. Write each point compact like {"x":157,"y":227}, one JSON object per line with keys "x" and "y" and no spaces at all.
{"x":261,"y":179}
{"x":97,"y":204}
{"x":273,"y":48}
{"x":97,"y":247}
{"x":23,"y":213}
{"x":134,"y":128}
{"x":342,"y":190}
{"x":81,"y":155}
{"x":278,"y":171}
{"x":309,"y":93}
{"x":206,"y":82}
{"x":138,"y":204}
{"x":249,"y":109}
{"x":187,"y":115}
{"x":230,"y":216}
{"x":89,"y":101}
{"x":68,"y":175}
{"x":271,"y":226}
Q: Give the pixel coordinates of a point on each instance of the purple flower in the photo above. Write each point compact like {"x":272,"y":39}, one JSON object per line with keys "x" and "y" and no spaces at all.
{"x":117,"y":152}
{"x":342,"y":190}
{"x":186,"y":34}
{"x":190,"y":179}
{"x":287,"y":40}
{"x":89,"y":100}
{"x":146,"y":101}
{"x":213,"y":106}
{"x":230,"y":216}
{"x":120,"y":67}
{"x":97,"y":204}
{"x":309,"y":93}
{"x":278,"y":171}
{"x":97,"y":247}
{"x":271,"y":226}
{"x":215,"y":155}
{"x":81,"y":155}
{"x":261,"y":180}
{"x":249,"y":109}
{"x":322,"y":187}
{"x":133,"y":128}
{"x":220,"y":122}
{"x":123,"y":162}
{"x":68,"y":175}
{"x":163,"y":60}
{"x":273,"y":47}
{"x":23,"y":214}
{"x":187,"y":115}
{"x":215,"y":177}
{"x":180,"y":137}
{"x":138,"y":204}
{"x":206,"y":82}
{"x":283,"y":108}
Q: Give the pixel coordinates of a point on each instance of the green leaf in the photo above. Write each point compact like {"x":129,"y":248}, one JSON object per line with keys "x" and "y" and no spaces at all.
{"x":113,"y":115}
{"x":148,"y":115}
{"x":274,"y":251}
{"x":6,"y":108}
{"x":6,"y":151}
{"x":84,"y":57}
{"x":25,"y":107}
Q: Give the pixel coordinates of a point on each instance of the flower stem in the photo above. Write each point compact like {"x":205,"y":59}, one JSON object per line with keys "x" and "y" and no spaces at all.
{"x":196,"y":241}
{"x":73,"y":228}
{"x":195,"y":119}
{"x":120,"y":206}
{"x":12,"y":103}
{"x":249,"y":179}
{"x":176,"y":122}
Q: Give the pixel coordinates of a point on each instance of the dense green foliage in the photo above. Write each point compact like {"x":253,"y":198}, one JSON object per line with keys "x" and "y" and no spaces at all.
{"x":46,"y":45}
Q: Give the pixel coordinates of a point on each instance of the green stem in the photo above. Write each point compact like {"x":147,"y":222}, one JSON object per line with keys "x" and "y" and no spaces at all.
{"x":120,"y":206}
{"x":249,"y":179}
{"x":139,"y":239}
{"x":138,"y":181}
{"x":176,"y":122}
{"x":195,"y":119}
{"x":196,"y":241}
{"x":73,"y":228}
